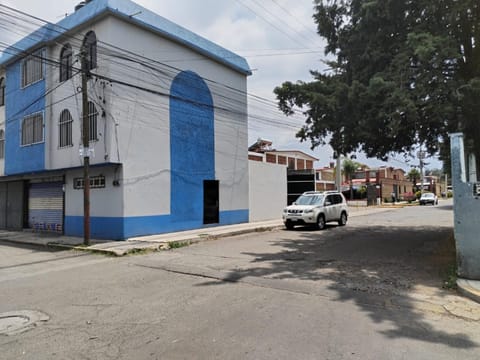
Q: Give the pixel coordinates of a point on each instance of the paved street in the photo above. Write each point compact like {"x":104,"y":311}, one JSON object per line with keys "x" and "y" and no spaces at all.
{"x":370,"y":290}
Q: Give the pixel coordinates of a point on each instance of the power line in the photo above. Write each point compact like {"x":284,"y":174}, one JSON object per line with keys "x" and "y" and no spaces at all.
{"x":299,"y":21}
{"x":223,"y":86}
{"x":279,"y":29}
{"x":137,"y":56}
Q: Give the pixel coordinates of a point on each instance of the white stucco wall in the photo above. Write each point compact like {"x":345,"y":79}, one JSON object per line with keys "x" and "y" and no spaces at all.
{"x":67,"y":96}
{"x":268,"y":190}
{"x":104,"y":202}
{"x":135,"y":129}
{"x":144,"y":120}
{"x":2,"y":127}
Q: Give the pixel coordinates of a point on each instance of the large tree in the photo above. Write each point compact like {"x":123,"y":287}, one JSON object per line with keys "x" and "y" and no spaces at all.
{"x":402,"y":73}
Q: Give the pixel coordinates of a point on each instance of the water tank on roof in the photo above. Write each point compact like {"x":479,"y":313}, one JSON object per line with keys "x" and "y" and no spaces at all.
{"x":80,"y":5}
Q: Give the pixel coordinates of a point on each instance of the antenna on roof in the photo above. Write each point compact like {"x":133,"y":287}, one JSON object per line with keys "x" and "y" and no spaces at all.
{"x":135,"y":14}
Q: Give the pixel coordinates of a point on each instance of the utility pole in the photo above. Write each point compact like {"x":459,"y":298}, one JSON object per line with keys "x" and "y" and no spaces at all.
{"x":421,"y":156}
{"x":85,"y":150}
{"x":338,"y":173}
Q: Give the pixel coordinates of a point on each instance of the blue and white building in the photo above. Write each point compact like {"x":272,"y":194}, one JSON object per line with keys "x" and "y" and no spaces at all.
{"x":167,"y":120}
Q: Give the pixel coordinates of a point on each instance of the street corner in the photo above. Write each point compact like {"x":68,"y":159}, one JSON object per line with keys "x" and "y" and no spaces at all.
{"x":470,"y":289}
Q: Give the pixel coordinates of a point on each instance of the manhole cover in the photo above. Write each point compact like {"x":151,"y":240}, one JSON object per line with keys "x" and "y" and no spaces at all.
{"x":16,"y":322}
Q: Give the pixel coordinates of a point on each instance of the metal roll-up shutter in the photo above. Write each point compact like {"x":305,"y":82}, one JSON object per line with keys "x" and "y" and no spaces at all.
{"x":45,"y":206}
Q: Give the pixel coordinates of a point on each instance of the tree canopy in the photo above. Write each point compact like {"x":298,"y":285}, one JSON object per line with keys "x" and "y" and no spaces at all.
{"x":402,"y":73}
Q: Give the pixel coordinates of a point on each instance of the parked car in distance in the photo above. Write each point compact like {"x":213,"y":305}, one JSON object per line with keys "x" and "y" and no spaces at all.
{"x":428,"y":198}
{"x":316,"y":208}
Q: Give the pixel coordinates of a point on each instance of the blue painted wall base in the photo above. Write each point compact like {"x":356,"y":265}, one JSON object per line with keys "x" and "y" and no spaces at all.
{"x":109,"y":228}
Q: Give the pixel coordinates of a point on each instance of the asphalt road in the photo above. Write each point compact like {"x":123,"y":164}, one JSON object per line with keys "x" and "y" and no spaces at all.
{"x":370,"y":290}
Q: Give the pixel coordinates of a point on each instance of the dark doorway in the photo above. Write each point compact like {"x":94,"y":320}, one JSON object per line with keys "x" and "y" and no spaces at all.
{"x":12,"y":204}
{"x":211,"y":208}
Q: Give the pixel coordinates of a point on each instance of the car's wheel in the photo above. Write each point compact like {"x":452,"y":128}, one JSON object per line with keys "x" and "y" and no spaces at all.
{"x":343,"y":219}
{"x":289,"y":225}
{"x":321,"y":222}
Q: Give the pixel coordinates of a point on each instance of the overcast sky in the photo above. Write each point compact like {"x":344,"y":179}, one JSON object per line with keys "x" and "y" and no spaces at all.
{"x":277,"y":37}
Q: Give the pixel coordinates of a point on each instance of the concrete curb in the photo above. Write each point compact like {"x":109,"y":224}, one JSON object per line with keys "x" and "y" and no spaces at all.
{"x":469,"y":288}
{"x":129,"y":248}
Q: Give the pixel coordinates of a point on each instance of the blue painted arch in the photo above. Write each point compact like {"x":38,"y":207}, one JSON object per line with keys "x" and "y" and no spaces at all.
{"x":192,"y":146}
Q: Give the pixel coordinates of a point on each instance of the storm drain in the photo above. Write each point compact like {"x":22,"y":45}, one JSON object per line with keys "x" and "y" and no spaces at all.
{"x":16,"y":322}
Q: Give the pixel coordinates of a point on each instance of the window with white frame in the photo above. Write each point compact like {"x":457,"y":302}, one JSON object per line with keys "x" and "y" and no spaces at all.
{"x":2,"y":144}
{"x":96,"y":182}
{"x":32,"y":129}
{"x":90,"y":46}
{"x":2,"y":91}
{"x":92,"y":122}
{"x":65,"y":129}
{"x":66,"y":63}
{"x":32,"y":68}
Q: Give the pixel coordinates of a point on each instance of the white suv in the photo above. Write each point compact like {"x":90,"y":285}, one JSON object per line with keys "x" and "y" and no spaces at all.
{"x":316,"y":208}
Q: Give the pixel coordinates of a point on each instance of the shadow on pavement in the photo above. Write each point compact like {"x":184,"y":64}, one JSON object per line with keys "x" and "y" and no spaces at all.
{"x":367,"y":265}
{"x":33,"y":247}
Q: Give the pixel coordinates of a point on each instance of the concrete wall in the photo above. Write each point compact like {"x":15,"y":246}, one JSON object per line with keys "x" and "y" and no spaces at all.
{"x":135,"y":132}
{"x":145,"y":128}
{"x":106,"y":205}
{"x":268,"y":190}
{"x":138,"y":130}
{"x":66,"y":96}
{"x":2,"y":126}
{"x":466,"y":214}
{"x":22,"y":102}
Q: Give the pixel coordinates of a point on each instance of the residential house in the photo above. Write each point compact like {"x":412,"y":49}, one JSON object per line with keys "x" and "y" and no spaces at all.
{"x":325,"y":178}
{"x":300,"y":166}
{"x":167,"y":117}
{"x":431,"y":183}
{"x":385,"y":180}
{"x":262,"y":151}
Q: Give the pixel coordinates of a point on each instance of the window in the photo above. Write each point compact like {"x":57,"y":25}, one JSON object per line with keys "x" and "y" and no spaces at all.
{"x":32,"y":129}
{"x":96,"y":182}
{"x":92,"y":122}
{"x":90,"y":45}
{"x":2,"y":91}
{"x":65,"y":129}
{"x":2,"y":144}
{"x":66,"y":63}
{"x":291,"y":163}
{"x":32,"y":68}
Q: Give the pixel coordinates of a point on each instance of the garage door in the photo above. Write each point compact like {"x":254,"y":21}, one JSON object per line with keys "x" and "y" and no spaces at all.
{"x":45,"y":206}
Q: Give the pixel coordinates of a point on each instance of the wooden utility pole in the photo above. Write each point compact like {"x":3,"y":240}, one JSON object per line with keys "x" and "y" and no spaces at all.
{"x":85,"y":152}
{"x":421,"y":156}
{"x":338,"y":173}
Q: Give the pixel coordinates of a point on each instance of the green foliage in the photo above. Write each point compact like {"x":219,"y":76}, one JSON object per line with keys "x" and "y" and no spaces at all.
{"x":349,"y":168}
{"x":450,"y":277}
{"x":405,"y":72}
{"x":177,"y":244}
{"x":414,"y":175}
{"x":418,"y":194}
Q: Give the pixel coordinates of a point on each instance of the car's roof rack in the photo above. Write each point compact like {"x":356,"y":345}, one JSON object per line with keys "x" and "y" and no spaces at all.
{"x":320,"y":192}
